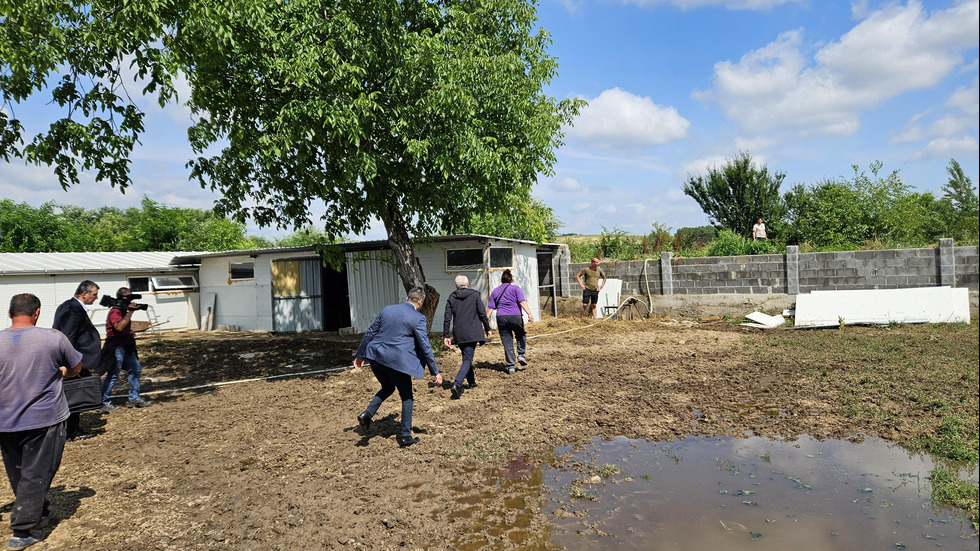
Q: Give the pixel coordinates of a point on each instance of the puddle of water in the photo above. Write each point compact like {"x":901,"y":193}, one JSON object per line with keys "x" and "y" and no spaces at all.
{"x":751,"y":493}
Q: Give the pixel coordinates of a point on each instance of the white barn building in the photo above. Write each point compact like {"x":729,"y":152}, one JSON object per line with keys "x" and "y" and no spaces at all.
{"x":169,"y":290}
{"x":290,"y":290}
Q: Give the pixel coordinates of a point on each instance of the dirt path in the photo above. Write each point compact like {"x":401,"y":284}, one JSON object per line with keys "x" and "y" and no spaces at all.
{"x":281,"y":464}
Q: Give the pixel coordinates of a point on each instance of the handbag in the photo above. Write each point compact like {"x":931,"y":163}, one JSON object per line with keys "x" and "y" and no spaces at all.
{"x":84,"y":393}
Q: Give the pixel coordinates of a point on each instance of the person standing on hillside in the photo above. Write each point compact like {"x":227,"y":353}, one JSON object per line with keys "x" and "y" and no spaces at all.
{"x":588,"y":279}
{"x":508,"y":300}
{"x":71,"y":318}
{"x":397,"y":345}
{"x":33,"y":411}
{"x":468,"y":316}
{"x":759,"y":231}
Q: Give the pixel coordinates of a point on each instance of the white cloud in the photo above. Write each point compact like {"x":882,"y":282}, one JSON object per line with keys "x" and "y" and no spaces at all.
{"x":638,"y":208}
{"x":567,"y":185}
{"x":702,"y":165}
{"x":580,"y":207}
{"x":964,"y":104}
{"x":948,"y":147}
{"x":607,"y":209}
{"x":894,"y":50}
{"x":729,"y":4}
{"x":619,"y":119}
{"x":966,"y":99}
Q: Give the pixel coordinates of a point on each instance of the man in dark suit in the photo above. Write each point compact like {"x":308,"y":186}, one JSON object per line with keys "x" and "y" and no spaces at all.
{"x":71,"y":318}
{"x":397,"y":345}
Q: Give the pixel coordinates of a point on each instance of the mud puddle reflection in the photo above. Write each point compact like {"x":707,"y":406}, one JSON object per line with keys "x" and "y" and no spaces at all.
{"x":749,"y":493}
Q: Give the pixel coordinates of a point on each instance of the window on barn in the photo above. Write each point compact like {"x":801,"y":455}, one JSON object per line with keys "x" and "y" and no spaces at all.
{"x":241,"y":270}
{"x":164,"y":283}
{"x":138,"y":284}
{"x":464,"y":259}
{"x":501,"y":257}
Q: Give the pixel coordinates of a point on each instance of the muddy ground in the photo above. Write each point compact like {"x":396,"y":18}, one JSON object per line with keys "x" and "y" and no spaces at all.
{"x":281,"y":463}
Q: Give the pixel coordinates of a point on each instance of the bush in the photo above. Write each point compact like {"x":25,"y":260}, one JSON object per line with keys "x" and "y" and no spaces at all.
{"x":730,"y":243}
{"x":618,"y":244}
{"x":660,"y":240}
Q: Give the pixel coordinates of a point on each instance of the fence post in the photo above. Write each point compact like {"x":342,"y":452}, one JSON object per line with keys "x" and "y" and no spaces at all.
{"x":947,"y":265}
{"x":666,"y":279}
{"x":792,"y":270}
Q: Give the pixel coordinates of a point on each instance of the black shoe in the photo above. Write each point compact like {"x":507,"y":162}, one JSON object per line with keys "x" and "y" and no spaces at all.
{"x":365,"y":421}
{"x":80,"y":436}
{"x":406,"y":441}
{"x":470,"y":385}
{"x":456,"y":392}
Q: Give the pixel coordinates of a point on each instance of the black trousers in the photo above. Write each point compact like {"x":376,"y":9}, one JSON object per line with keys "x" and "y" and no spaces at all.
{"x":31,"y":458}
{"x":390,"y":380}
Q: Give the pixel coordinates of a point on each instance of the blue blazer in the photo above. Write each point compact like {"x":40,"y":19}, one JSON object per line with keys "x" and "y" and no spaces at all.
{"x":398,"y":339}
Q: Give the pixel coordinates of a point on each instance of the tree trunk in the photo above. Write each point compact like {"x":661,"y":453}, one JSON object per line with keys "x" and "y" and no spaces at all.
{"x":409,"y":266}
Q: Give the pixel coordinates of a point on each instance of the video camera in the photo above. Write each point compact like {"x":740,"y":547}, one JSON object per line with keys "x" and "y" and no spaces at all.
{"x":123,"y":303}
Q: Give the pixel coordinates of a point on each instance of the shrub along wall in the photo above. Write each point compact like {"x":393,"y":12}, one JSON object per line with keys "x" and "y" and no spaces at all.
{"x":794,"y":272}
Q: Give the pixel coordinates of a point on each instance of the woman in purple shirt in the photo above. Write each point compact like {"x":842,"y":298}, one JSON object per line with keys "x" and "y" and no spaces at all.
{"x":508,"y":300}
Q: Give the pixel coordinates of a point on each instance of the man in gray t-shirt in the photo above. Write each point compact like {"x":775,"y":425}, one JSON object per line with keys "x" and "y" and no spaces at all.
{"x":33,"y":409}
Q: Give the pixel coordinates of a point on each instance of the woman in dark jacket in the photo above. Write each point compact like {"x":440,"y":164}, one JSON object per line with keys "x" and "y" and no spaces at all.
{"x":467,"y":314}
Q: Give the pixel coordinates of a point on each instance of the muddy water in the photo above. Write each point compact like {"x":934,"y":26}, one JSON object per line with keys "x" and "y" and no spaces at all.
{"x":749,"y":493}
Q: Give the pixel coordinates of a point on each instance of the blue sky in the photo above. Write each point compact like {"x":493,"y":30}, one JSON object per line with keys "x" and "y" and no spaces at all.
{"x":674,"y":87}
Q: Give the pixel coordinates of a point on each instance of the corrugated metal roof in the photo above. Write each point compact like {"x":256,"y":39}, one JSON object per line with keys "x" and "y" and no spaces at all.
{"x":357,"y":246}
{"x":92,"y":262}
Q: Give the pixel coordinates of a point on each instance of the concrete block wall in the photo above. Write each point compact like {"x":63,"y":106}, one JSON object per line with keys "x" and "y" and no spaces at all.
{"x":794,"y":272}
{"x":965,"y":261}
{"x":888,"y":269}
{"x":632,"y":273}
{"x":744,"y":275}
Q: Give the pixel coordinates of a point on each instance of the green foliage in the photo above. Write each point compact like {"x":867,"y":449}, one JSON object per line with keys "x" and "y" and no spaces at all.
{"x":659,"y":240}
{"x":961,"y":191}
{"x":617,"y":244}
{"x":828,"y":213}
{"x":529,"y":221}
{"x":74,"y":51}
{"x":697,"y":237}
{"x":865,"y":210}
{"x":417,"y":113}
{"x":964,"y":205}
{"x":729,"y":243}
{"x":739,"y":193}
{"x":948,"y":489}
{"x":26,"y":229}
{"x":153,"y":227}
{"x":952,"y":441}
{"x":304,"y":237}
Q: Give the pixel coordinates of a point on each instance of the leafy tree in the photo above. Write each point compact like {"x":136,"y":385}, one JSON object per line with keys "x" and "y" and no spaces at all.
{"x":691,"y":238}
{"x":658,"y":240}
{"x":304,"y":237}
{"x":961,"y":202}
{"x":826,"y":215}
{"x":24,"y":229}
{"x":532,"y":221}
{"x":879,"y":198}
{"x":739,"y":193}
{"x":961,"y":191}
{"x":213,"y":233}
{"x":158,"y":227}
{"x":401,"y":111}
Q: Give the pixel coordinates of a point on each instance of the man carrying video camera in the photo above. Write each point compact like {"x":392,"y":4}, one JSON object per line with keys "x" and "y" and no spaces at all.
{"x":121,"y":341}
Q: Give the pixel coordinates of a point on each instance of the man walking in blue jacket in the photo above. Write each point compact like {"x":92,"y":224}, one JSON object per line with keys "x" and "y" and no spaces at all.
{"x":397,"y":345}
